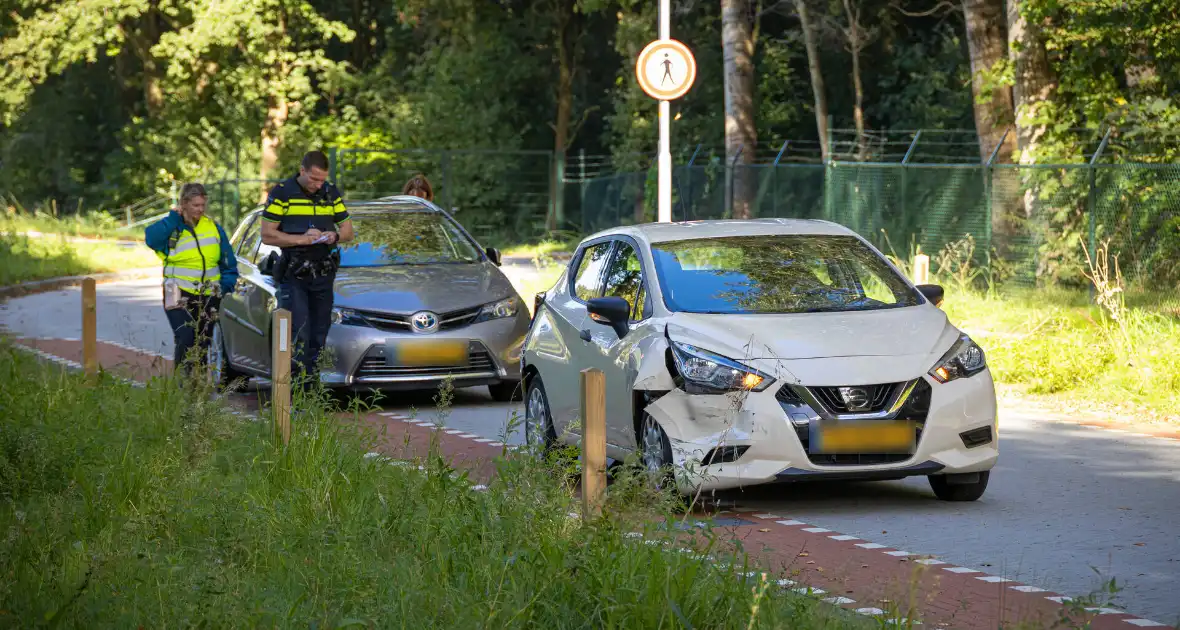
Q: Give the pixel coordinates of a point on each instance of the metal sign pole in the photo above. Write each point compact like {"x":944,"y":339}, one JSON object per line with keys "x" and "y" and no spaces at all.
{"x":664,"y":189}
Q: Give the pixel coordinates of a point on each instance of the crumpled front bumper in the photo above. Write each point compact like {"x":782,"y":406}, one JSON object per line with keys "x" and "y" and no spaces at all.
{"x":698,"y":424}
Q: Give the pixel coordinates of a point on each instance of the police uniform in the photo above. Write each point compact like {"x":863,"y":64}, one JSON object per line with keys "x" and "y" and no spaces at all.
{"x":306,"y":274}
{"x":199,"y":267}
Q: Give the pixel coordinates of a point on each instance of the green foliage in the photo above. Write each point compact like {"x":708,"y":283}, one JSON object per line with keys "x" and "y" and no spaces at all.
{"x":162,"y":508}
{"x":24,"y":259}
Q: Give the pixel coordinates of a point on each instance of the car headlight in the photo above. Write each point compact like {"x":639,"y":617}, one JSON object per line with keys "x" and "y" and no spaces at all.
{"x":347,"y":317}
{"x":715,"y":373}
{"x":508,"y":307}
{"x":964,"y":359}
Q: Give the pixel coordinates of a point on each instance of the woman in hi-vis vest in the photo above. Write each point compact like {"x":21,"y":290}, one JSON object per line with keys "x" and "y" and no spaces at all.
{"x":199,"y":267}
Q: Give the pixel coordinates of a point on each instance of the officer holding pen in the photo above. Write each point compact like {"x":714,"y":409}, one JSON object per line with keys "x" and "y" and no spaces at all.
{"x":305,"y":217}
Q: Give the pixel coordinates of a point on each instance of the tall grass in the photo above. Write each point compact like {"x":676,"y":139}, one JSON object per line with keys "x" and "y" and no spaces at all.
{"x":89,"y":224}
{"x":24,"y":259}
{"x":1114,"y":350}
{"x":154,"y":507}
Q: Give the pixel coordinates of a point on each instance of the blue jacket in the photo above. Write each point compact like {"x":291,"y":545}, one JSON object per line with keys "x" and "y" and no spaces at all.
{"x":157,"y":235}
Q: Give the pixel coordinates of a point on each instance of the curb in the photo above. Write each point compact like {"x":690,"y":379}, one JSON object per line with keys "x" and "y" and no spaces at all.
{"x":54,"y":284}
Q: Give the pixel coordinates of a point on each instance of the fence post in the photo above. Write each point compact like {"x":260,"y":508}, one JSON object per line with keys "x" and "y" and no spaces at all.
{"x":920,"y":270}
{"x":905,"y":180}
{"x":774,"y":178}
{"x":989,"y":187}
{"x":280,"y":378}
{"x":593,"y":442}
{"x":559,"y":192}
{"x":89,"y":328}
{"x":1092,"y":202}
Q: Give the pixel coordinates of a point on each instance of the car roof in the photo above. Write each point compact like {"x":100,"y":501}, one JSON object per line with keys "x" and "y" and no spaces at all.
{"x":687,"y":230}
{"x":392,"y":203}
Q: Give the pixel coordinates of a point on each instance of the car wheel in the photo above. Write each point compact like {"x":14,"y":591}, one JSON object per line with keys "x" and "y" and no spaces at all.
{"x":538,"y":421}
{"x":220,"y":369}
{"x":507,"y":391}
{"x":655,"y":450}
{"x":953,"y":488}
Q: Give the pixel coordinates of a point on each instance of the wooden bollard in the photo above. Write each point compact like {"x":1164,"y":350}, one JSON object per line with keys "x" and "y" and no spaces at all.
{"x":921,"y":269}
{"x":280,"y":373}
{"x":89,"y":327}
{"x":593,"y":442}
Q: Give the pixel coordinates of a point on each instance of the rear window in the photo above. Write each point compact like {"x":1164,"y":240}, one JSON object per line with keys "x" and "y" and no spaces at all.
{"x":777,"y":274}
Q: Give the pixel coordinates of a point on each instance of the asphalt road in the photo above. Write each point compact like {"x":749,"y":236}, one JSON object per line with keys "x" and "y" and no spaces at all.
{"x":1068,"y":506}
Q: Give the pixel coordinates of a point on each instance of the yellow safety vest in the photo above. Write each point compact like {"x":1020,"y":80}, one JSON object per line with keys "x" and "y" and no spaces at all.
{"x":193,"y":257}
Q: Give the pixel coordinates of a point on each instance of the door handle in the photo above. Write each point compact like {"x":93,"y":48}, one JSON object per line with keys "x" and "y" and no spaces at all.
{"x":584,"y":335}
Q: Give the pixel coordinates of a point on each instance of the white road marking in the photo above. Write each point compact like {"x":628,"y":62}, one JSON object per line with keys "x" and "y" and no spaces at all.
{"x":898,"y":554}
{"x":1028,"y":589}
{"x":769,"y":517}
{"x":960,"y":570}
{"x":993,"y":579}
{"x":790,"y":523}
{"x":929,"y":561}
{"x":839,"y":601}
{"x":816,"y":530}
{"x":1145,"y":623}
{"x":1059,"y":600}
{"x":843,"y":537}
{"x":870,"y":611}
{"x":1106,"y":611}
{"x":871,"y":546}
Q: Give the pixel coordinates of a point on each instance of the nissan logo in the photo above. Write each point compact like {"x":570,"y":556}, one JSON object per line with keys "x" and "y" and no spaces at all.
{"x":855,"y":398}
{"x":424,"y":322}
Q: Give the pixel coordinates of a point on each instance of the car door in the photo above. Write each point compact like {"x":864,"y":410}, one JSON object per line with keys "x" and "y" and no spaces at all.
{"x":568,"y":308}
{"x":234,"y":328}
{"x":250,"y":344}
{"x":624,"y":278}
{"x":260,"y":303}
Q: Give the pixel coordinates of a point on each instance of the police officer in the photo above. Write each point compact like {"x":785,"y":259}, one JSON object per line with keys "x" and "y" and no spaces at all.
{"x":305,"y":217}
{"x":199,"y":267}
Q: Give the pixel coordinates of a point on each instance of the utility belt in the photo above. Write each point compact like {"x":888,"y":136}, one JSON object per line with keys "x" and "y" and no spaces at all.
{"x":295,"y":265}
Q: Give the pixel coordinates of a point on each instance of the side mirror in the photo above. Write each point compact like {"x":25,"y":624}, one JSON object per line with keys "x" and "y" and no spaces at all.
{"x":267,"y":266}
{"x":611,"y":311}
{"x":932,"y":292}
{"x":493,"y":255}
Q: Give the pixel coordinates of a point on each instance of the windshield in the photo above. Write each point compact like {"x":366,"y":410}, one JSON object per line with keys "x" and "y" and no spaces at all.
{"x":405,"y":238}
{"x":777,"y":274}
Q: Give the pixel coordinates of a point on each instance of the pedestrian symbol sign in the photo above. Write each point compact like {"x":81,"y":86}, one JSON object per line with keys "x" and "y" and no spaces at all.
{"x":666,"y":69}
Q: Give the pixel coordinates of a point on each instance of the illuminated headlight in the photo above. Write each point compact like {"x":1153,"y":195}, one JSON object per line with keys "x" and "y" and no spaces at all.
{"x":347,"y":317}
{"x":715,"y":373}
{"x":962,"y":360}
{"x":507,"y":307}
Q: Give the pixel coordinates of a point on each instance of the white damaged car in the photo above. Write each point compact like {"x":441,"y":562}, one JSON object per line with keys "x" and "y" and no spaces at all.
{"x":749,"y":352}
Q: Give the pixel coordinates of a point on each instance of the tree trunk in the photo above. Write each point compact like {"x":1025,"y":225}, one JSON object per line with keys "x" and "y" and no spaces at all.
{"x":565,"y":102}
{"x":817,"y":76}
{"x":1034,"y":80}
{"x":276,"y":116}
{"x":855,"y":44}
{"x":741,"y":137}
{"x":152,"y":92}
{"x":988,"y":45}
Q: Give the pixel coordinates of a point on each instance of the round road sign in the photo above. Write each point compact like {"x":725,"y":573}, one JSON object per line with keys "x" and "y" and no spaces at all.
{"x":666,"y":69}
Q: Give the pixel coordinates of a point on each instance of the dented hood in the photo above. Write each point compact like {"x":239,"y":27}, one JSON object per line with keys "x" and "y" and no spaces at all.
{"x":911,"y":331}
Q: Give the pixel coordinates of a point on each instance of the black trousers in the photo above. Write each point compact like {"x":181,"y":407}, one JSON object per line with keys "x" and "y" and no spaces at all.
{"x":192,"y":325}
{"x":310,"y":302}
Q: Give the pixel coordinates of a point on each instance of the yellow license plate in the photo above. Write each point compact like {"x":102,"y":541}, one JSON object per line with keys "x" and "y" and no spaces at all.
{"x":427,"y":352}
{"x":882,"y":436}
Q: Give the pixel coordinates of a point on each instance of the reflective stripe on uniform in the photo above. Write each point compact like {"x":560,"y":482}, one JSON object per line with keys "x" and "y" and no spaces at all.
{"x":189,"y":244}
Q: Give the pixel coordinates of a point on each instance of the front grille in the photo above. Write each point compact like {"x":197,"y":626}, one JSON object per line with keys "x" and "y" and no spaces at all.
{"x":787,"y":396}
{"x":916,"y":407}
{"x":374,"y":365}
{"x":724,"y":454}
{"x":400,"y":323}
{"x":876,"y":397}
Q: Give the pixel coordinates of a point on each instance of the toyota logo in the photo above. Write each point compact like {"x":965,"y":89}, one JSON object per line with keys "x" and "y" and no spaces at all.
{"x":855,"y":398}
{"x":424,"y":322}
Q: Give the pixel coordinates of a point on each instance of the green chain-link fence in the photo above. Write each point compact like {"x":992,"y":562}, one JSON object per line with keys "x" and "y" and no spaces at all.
{"x":1021,"y":224}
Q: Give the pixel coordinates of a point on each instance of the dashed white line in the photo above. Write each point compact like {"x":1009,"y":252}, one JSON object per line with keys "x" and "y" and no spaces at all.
{"x":1060,"y":600}
{"x":1028,"y":589}
{"x":929,"y":561}
{"x":839,"y":601}
{"x":960,"y":570}
{"x":816,"y":530}
{"x":993,"y":579}
{"x":1106,"y":611}
{"x":870,"y":611}
{"x":769,"y":517}
{"x":870,"y":546}
{"x":790,"y":523}
{"x":843,"y":537}
{"x":898,"y":554}
{"x":1145,"y":623}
